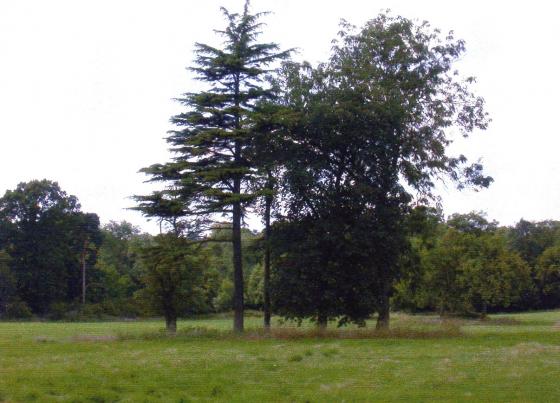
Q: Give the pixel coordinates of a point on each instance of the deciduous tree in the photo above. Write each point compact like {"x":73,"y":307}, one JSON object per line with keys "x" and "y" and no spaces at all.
{"x":43,"y":231}
{"x":548,"y":276}
{"x":372,"y":131}
{"x":174,"y":276}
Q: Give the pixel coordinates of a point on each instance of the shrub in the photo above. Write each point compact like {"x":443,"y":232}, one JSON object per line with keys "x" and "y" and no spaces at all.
{"x":17,"y":309}
{"x":92,"y":311}
{"x":62,"y":311}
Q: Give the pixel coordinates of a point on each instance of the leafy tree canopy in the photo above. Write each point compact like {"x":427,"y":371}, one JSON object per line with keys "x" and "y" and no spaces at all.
{"x":368,"y":131}
{"x":43,"y":230}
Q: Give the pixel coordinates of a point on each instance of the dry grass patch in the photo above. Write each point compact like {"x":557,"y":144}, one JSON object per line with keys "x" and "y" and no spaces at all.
{"x":445,"y":330}
{"x":88,"y":338}
{"x":43,"y":339}
{"x":527,"y":349}
{"x":499,"y":321}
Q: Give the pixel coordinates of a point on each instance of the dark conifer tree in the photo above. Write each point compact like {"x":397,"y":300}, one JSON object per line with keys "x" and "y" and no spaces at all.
{"x":213,"y":170}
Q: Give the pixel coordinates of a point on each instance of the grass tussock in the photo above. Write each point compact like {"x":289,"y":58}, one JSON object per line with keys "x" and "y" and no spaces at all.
{"x":88,"y":338}
{"x":455,"y":321}
{"x":500,"y":321}
{"x":43,"y":339}
{"x":446,"y":330}
{"x":295,"y":358}
{"x":195,"y":332}
{"x":449,"y":330}
{"x":531,"y":348}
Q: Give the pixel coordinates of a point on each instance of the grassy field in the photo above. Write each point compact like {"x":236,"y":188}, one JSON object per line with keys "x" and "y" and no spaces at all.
{"x":507,"y":358}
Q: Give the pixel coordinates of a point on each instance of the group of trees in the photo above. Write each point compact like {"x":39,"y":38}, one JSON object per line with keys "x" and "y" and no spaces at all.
{"x":331,"y":156}
{"x":45,"y":243}
{"x":470,"y":266}
{"x":465,"y":265}
{"x":339,"y":160}
{"x":51,"y":253}
{"x":58,"y":262}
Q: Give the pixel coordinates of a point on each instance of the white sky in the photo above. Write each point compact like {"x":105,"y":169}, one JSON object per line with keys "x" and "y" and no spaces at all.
{"x":86,"y":90}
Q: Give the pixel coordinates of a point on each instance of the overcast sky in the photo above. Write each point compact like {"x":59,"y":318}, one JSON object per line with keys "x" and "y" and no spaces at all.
{"x":86,"y":90}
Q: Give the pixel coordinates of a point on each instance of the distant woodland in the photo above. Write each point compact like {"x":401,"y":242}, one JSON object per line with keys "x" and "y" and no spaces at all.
{"x":465,"y":265}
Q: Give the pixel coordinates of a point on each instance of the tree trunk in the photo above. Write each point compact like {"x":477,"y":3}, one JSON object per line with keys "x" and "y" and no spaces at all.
{"x":266,"y":296}
{"x":384,"y":315}
{"x":484,"y":313}
{"x":238,"y":303}
{"x":383,"y":318}
{"x":322,"y":321}
{"x":171,"y":323}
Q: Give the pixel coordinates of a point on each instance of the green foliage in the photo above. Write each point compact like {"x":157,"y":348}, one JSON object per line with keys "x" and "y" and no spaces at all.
{"x":62,"y":311}
{"x":398,"y":76}
{"x":173,"y":276}
{"x":255,"y":287}
{"x":208,"y":290}
{"x":214,"y":166}
{"x":219,"y":273}
{"x":496,"y":277}
{"x":44,"y":233}
{"x":424,"y":227}
{"x":215,"y":127}
{"x":119,"y":265}
{"x":471,"y":223}
{"x":530,"y":239}
{"x":372,"y":118}
{"x":548,"y":276}
{"x":467,"y":269}
{"x":7,"y":283}
{"x":224,"y":298}
{"x":17,"y":309}
{"x":446,"y":277}
{"x":319,"y":273}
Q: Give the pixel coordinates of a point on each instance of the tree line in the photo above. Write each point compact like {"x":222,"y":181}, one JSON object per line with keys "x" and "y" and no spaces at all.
{"x":57,"y":262}
{"x":468,"y":265}
{"x":462,"y":265}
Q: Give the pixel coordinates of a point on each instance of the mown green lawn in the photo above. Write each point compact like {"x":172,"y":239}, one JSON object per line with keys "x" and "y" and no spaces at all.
{"x":509,"y":358}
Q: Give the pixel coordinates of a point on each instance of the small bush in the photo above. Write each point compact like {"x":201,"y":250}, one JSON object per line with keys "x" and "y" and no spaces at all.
{"x":59,"y":311}
{"x":295,"y":358}
{"x":127,"y":308}
{"x":330,"y":352}
{"x":17,"y":309}
{"x":92,"y":311}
